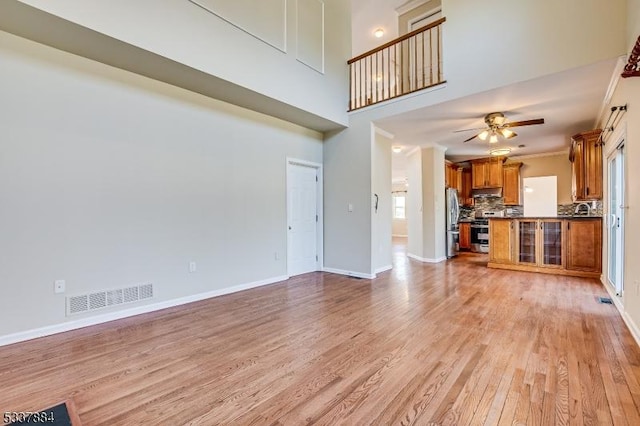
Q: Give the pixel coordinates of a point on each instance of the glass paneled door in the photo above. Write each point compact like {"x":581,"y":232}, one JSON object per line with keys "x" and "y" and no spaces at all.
{"x":615,"y":220}
{"x":527,"y":247}
{"x":551,"y":242}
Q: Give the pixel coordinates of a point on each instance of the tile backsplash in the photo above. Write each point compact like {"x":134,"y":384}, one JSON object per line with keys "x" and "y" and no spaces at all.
{"x":496,"y":203}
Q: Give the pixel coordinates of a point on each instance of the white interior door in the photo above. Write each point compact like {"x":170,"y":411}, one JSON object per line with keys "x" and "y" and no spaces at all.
{"x":616,"y":219}
{"x":302,"y":205}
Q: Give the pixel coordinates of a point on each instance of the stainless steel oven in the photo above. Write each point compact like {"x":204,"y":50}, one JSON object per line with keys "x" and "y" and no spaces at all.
{"x":480,"y":230}
{"x":480,"y":236}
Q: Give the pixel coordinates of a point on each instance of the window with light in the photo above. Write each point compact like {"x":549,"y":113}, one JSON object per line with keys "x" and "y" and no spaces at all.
{"x":399,"y":206}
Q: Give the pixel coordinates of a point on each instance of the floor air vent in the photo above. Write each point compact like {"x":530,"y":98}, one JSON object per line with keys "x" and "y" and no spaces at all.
{"x":102,"y":299}
{"x":605,"y":300}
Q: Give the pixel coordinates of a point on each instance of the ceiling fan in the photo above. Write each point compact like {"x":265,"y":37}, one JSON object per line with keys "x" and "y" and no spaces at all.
{"x":497,"y":125}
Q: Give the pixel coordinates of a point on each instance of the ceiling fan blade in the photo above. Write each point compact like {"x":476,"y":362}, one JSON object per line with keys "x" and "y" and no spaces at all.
{"x":466,"y":130}
{"x":524,"y":123}
{"x":472,"y":137}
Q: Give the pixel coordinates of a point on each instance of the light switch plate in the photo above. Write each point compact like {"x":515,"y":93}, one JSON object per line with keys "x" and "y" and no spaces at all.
{"x":192,"y":267}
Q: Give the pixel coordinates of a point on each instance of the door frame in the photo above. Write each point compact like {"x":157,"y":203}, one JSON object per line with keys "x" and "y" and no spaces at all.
{"x":319,"y":207}
{"x":620,"y":141}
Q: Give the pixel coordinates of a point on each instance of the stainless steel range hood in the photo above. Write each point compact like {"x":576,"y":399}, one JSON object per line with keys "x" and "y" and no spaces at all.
{"x":487,"y":193}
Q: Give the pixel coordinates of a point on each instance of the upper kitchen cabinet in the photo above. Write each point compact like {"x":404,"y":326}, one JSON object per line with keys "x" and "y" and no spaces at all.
{"x":487,"y":173}
{"x":511,"y":184}
{"x":467,"y":182}
{"x":453,"y":176}
{"x":586,"y":166}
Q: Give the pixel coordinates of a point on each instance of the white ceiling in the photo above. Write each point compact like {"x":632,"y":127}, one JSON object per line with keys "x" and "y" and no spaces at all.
{"x":569,"y":102}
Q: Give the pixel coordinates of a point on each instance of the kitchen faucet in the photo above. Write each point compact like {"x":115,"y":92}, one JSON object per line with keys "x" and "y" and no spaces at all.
{"x":585,"y":205}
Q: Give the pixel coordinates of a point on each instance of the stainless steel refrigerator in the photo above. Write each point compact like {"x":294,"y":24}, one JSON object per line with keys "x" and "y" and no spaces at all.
{"x":452,"y":209}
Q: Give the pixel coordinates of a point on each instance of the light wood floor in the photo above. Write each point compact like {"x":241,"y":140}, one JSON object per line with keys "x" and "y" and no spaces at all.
{"x":451,"y":343}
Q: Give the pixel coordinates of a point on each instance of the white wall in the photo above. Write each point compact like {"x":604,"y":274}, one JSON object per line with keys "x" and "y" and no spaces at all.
{"x":399,"y":227}
{"x":433,"y":195}
{"x":366,"y":17}
{"x":109,"y":179}
{"x":188,"y":34}
{"x":633,"y":22}
{"x":415,"y":223}
{"x":348,"y":181}
{"x":382,"y":218}
{"x":491,"y":43}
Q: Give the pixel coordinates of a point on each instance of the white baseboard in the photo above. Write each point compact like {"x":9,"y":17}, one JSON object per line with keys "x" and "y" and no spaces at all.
{"x":633,"y":328}
{"x":399,"y":235}
{"x":112,"y":316}
{"x":426,"y":260}
{"x":383,"y":269}
{"x":631,"y":325}
{"x":349,"y":273}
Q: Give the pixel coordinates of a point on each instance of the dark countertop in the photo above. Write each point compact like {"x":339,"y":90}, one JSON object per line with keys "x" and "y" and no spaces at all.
{"x":547,"y":217}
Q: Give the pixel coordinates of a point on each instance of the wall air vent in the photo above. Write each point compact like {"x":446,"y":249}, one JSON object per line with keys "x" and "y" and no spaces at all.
{"x":77,"y":304}
{"x":146,"y":291}
{"x":102,"y":299}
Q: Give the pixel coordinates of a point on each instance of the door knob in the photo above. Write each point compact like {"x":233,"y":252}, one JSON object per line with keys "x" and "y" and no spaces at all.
{"x":289,"y":228}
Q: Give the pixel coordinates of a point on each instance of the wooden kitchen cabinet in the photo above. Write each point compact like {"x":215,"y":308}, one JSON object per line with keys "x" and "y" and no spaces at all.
{"x":467,"y":185}
{"x":487,"y":173}
{"x":586,"y":166}
{"x":584,"y":245}
{"x":511,"y":187}
{"x":501,"y":241}
{"x":465,"y":235}
{"x":447,"y":174}
{"x":540,"y":242}
{"x":453,"y":176}
{"x":551,"y":246}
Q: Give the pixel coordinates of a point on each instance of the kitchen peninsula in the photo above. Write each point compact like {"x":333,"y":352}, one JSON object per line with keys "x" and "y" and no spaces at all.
{"x":563,"y":245}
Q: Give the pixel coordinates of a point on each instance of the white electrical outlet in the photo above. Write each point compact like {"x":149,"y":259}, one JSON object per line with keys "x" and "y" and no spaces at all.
{"x":350,"y":208}
{"x":59,"y":286}
{"x":193,"y":267}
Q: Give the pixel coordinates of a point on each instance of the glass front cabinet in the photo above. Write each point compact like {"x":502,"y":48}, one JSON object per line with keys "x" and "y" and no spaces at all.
{"x":540,"y":242}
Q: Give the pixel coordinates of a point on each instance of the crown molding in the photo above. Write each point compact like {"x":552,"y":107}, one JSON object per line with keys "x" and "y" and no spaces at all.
{"x":613,"y":85}
{"x":543,"y":154}
{"x":410,"y":5}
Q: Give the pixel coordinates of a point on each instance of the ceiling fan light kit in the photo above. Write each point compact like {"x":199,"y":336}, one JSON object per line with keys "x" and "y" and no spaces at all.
{"x":497,"y":125}
{"x":508,"y":134}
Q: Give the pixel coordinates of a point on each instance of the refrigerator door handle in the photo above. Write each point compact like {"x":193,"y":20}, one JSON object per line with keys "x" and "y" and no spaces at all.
{"x":455,"y":202}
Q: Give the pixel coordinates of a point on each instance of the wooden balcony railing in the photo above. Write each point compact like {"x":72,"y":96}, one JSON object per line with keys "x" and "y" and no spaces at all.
{"x":407,"y":64}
